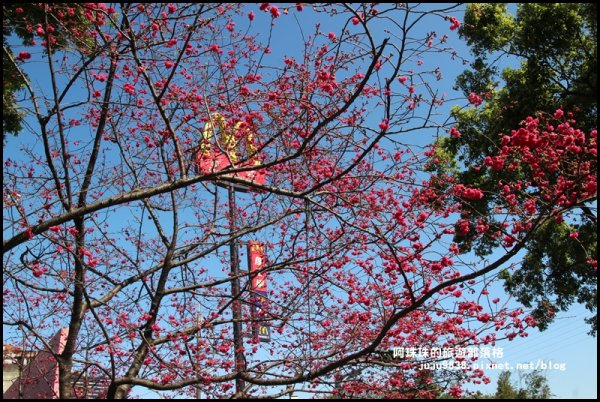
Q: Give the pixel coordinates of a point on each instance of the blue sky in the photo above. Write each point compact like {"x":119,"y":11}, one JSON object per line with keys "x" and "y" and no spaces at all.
{"x":565,"y":342}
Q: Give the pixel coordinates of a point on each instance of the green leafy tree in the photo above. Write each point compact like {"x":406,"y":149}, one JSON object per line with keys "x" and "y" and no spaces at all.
{"x":58,"y":26}
{"x":536,"y":386}
{"x":12,"y":80}
{"x":505,"y":389}
{"x":556,"y":46}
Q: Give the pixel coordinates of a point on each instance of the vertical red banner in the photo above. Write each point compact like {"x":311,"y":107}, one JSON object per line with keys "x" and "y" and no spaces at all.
{"x":256,"y":262}
{"x":256,"y":255}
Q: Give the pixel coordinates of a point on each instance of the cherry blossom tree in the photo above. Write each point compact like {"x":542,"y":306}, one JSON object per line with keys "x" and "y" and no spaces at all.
{"x":117,"y":227}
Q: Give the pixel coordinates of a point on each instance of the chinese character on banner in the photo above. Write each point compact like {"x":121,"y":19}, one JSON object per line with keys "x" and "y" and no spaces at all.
{"x":261,"y":328}
{"x":256,"y":256}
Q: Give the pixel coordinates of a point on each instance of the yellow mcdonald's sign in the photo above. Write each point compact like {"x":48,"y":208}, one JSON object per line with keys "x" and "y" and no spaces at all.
{"x":225,"y":153}
{"x":264,"y":333}
{"x":260,"y":328}
{"x":228,"y":142}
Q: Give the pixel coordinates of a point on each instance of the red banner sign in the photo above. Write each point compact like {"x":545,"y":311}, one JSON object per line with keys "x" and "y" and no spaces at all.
{"x":218,"y":161}
{"x":256,"y":262}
